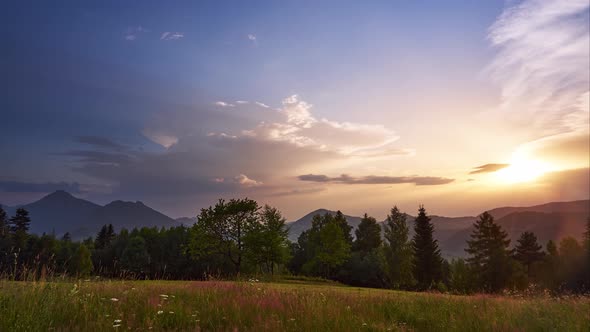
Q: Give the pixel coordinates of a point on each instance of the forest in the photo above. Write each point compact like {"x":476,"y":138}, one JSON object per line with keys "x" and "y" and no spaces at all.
{"x":240,"y":239}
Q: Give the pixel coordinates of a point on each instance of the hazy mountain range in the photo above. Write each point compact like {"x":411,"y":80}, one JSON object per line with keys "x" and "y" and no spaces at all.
{"x":61,"y":212}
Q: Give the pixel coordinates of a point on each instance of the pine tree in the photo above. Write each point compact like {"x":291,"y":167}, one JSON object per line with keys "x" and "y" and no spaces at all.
{"x":101,"y":238}
{"x":528,"y":251}
{"x":427,"y":258}
{"x":368,"y":235}
{"x":19,"y":226}
{"x":4,"y":225}
{"x":398,"y":250}
{"x":489,"y":254}
{"x":67,"y":237}
{"x":110,"y":235}
{"x":340,"y":219}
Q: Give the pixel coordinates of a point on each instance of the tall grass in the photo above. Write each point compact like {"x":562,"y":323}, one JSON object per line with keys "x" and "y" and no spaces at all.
{"x":254,"y":306}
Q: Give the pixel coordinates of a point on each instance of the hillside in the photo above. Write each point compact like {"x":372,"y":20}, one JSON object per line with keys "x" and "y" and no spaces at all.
{"x":60,"y":212}
{"x":551,"y":221}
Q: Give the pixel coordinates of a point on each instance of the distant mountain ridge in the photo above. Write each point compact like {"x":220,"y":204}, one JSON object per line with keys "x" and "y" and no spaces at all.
{"x":61,"y":212}
{"x":550,"y":221}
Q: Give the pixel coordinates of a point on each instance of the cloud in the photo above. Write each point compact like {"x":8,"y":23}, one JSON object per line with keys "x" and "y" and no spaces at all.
{"x":373,"y":179}
{"x":161,"y":138}
{"x":100,"y":142}
{"x":301,"y":128}
{"x":296,"y":192}
{"x":542,"y":64}
{"x":132,"y":33}
{"x":210,"y":153}
{"x":252,"y":38}
{"x":223,"y":104}
{"x":46,"y":187}
{"x":171,"y":35}
{"x":242,"y":102}
{"x":488,"y":168}
{"x":246,"y":181}
{"x":262,"y":104}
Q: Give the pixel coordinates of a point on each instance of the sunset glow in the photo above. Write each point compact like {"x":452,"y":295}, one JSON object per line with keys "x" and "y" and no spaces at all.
{"x":392,"y":102}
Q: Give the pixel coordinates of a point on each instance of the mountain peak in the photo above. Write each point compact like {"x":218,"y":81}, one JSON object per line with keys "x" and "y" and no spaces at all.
{"x":59,"y":194}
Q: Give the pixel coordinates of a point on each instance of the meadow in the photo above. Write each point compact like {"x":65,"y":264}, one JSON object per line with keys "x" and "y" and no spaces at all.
{"x":261,"y":306}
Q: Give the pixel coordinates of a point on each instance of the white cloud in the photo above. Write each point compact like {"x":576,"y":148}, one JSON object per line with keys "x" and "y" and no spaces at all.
{"x":132,"y":33}
{"x":251,"y":37}
{"x":542,"y":69}
{"x":242,"y":102}
{"x":223,"y":104}
{"x":245,"y":181}
{"x":262,"y":104}
{"x":301,"y":128}
{"x":165,"y":140}
{"x":542,"y":64}
{"x":171,"y":35}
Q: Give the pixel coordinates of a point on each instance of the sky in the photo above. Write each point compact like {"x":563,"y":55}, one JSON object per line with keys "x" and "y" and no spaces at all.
{"x":461,"y":106}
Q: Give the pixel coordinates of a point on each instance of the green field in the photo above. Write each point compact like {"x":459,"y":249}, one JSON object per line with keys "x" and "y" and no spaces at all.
{"x":254,"y":306}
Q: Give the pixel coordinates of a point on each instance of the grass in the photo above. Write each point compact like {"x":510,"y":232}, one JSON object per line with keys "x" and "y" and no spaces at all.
{"x":288,"y":306}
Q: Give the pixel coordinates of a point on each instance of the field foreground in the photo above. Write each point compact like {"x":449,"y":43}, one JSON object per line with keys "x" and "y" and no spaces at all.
{"x":251,"y":306}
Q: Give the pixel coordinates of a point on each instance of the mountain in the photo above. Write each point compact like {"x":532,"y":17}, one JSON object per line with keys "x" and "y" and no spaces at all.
{"x":129,"y":215}
{"x":304,"y":223}
{"x":582,"y":206}
{"x":551,"y":221}
{"x":60,"y":212}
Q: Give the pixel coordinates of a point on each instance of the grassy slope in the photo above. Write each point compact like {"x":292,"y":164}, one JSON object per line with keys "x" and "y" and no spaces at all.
{"x":214,"y":306}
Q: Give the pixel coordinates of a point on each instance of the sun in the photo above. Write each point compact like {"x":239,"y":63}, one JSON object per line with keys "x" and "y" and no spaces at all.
{"x":522,"y":170}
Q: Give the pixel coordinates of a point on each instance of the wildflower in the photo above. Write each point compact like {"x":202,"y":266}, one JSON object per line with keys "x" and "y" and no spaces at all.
{"x":364,"y":324}
{"x":117,"y":321}
{"x":114,"y":299}
{"x":160,"y":312}
{"x":116,"y":325}
{"x":170,"y":312}
{"x":292,"y":319}
{"x":163,"y":296}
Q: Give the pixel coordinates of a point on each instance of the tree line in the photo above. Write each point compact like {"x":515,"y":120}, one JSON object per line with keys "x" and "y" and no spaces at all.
{"x":241,"y":238}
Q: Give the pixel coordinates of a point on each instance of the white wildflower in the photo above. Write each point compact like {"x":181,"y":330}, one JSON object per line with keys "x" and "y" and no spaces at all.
{"x":160,"y":312}
{"x":114,"y":299}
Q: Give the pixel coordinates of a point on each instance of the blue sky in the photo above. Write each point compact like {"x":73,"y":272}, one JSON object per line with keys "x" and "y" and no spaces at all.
{"x":171,"y":85}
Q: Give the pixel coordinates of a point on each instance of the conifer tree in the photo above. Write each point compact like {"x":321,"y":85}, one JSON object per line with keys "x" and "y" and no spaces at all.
{"x":488,"y":253}
{"x":4,"y":226}
{"x":528,"y":251}
{"x":19,"y":227}
{"x":398,"y":250}
{"x":340,"y":219}
{"x":101,"y":238}
{"x":427,"y":258}
{"x":368,"y":235}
